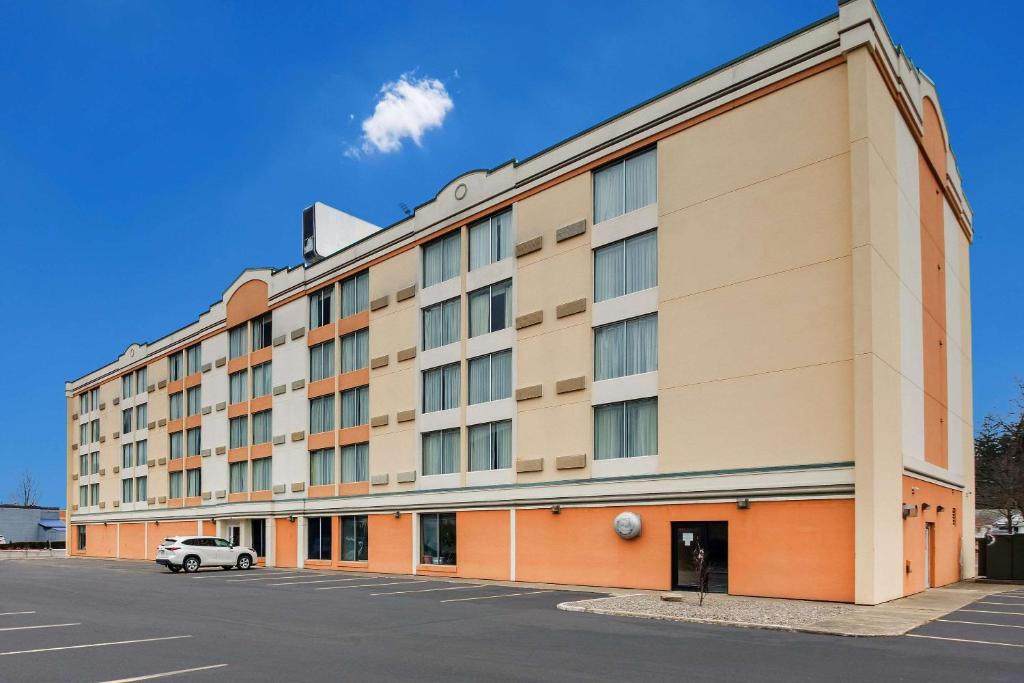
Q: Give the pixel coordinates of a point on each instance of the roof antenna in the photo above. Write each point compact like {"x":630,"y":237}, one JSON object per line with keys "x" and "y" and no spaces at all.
{"x":405,"y":208}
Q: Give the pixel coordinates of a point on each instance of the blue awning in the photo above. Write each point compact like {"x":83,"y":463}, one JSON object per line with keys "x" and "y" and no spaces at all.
{"x":52,"y":524}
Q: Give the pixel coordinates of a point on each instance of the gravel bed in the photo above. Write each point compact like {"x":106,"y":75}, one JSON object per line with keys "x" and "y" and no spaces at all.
{"x":730,"y":609}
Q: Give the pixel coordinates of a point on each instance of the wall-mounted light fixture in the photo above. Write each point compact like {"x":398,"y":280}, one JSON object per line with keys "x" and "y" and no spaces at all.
{"x":743,"y":503}
{"x":925,"y":506}
{"x":291,"y":518}
{"x":397,"y":514}
{"x":556,"y":509}
{"x":940,"y":508}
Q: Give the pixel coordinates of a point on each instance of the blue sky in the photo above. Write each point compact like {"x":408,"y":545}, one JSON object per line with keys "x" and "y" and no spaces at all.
{"x":135,"y":134}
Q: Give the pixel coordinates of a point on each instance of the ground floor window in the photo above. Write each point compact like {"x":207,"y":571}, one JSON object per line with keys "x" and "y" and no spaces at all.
{"x":259,"y":536}
{"x":80,"y":531}
{"x":319,"y":538}
{"x":437,"y":538}
{"x":354,"y":545}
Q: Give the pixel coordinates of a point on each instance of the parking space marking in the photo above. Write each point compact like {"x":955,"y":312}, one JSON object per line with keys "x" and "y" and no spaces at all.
{"x":27,"y":628}
{"x":990,"y":611}
{"x":427,"y":590}
{"x":492,"y":597}
{"x":980,"y":623}
{"x":216,"y":575}
{"x":302,"y":583}
{"x":165,"y":674}
{"x":79,"y":647}
{"x":993,"y":602}
{"x":365,"y":585}
{"x":261,"y":578}
{"x":11,"y":614}
{"x":964,"y":640}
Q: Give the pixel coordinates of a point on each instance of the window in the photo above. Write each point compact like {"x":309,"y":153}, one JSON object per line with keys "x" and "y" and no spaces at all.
{"x":441,"y":259}
{"x":126,"y":420}
{"x":194,"y":479}
{"x":320,"y":307}
{"x":141,"y":452}
{"x":321,"y":414}
{"x":321,"y":467}
{"x":626,"y":430}
{"x":126,"y":386}
{"x":195,"y":398}
{"x":261,"y":470}
{"x":80,"y":530}
{"x":490,"y":377}
{"x":127,"y":459}
{"x":355,"y":407}
{"x":94,"y":462}
{"x":321,"y":361}
{"x":175,"y":407}
{"x":94,"y":398}
{"x":239,"y":431}
{"x":490,"y":308}
{"x":625,"y":348}
{"x":261,"y":427}
{"x":174,"y":484}
{"x":261,"y":380}
{"x":441,"y":452}
{"x":490,"y":240}
{"x":94,"y":494}
{"x":175,"y":445}
{"x":127,"y":490}
{"x":83,"y":465}
{"x":141,"y":486}
{"x":355,"y":294}
{"x":441,"y":324}
{"x":83,"y":434}
{"x":262,"y":332}
{"x":355,"y":350}
{"x":140,"y":381}
{"x":174,"y":367}
{"x":490,"y":446}
{"x":236,"y":341}
{"x":355,"y":463}
{"x":141,"y":415}
{"x":195,"y":440}
{"x":194,"y":358}
{"x":354,"y":547}
{"x":318,"y":546}
{"x":95,"y":425}
{"x":238,"y":474}
{"x":237,"y":386}
{"x":437,"y":538}
{"x":626,"y":266}
{"x":626,"y":185}
{"x":83,"y":404}
{"x":441,"y":388}
{"x":83,"y":498}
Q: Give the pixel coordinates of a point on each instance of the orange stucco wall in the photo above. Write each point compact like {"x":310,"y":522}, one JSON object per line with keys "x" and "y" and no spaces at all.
{"x":776,"y":549}
{"x":482,"y":543}
{"x":132,"y":542}
{"x":101,"y":540}
{"x":390,"y":541}
{"x":946,"y":538}
{"x":284,"y":542}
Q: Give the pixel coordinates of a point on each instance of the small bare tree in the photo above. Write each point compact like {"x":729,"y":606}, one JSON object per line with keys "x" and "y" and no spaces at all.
{"x":702,"y":569}
{"x":27,"y":491}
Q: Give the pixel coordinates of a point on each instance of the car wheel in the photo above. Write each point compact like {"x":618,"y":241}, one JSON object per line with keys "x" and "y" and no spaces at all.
{"x":244,"y":562}
{"x":174,"y":568}
{"x":191,"y":564}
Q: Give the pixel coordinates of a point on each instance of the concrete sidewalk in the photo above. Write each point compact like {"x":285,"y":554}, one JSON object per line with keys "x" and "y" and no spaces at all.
{"x":888,"y":619}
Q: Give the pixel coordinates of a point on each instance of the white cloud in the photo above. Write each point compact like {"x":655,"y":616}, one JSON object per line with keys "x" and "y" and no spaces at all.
{"x":406,"y":108}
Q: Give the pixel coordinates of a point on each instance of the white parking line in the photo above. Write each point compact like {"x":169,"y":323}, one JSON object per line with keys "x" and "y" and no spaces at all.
{"x":964,"y":640}
{"x":426,"y":590}
{"x":993,"y":602}
{"x":303,"y":583}
{"x":27,"y":628}
{"x":979,"y":623}
{"x":262,"y":578}
{"x":364,"y":585}
{"x":492,"y":597}
{"x":150,"y":677}
{"x":11,"y":614}
{"x":79,"y":647}
{"x":224,"y":574}
{"x":989,"y":611}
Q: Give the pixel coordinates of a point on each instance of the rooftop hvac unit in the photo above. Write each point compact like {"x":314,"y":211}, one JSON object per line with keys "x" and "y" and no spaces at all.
{"x":326,"y":230}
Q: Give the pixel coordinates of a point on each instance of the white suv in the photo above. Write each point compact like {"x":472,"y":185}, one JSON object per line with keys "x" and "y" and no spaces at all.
{"x":191,"y":552}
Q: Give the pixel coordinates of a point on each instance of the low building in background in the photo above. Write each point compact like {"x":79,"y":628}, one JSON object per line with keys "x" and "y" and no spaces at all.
{"x":31,"y":523}
{"x":735,"y":317}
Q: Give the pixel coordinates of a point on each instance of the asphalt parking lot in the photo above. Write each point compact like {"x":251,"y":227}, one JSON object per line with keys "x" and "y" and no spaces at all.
{"x":116,"y":622}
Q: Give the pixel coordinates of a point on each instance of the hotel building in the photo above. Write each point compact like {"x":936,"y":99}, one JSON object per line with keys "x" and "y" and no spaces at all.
{"x":737,"y":314}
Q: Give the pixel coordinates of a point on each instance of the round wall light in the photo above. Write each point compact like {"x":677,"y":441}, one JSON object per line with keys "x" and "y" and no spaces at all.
{"x":627,"y":525}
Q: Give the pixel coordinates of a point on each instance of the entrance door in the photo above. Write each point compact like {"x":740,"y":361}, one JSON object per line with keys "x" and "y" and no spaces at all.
{"x":259,"y":537}
{"x":713,"y":537}
{"x":236,"y":535}
{"x":929,"y":560}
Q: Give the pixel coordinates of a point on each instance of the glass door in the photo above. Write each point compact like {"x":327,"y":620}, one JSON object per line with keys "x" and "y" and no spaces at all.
{"x":713,"y":537}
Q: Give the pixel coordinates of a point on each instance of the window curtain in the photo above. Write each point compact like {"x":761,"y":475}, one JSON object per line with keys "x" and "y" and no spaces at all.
{"x":450,"y":321}
{"x":452,"y":256}
{"x":608,"y":193}
{"x":432,"y":390}
{"x":175,"y":485}
{"x":355,"y":409}
{"x":479,"y":245}
{"x":194,"y":400}
{"x":126,"y":490}
{"x":126,"y":421}
{"x":126,"y":386}
{"x":501,"y":375}
{"x":195,"y":438}
{"x":502,"y":444}
{"x":450,"y":462}
{"x":355,"y":351}
{"x":262,"y":426}
{"x":195,"y":359}
{"x":501,"y":236}
{"x":126,"y":456}
{"x":238,"y":476}
{"x":141,"y":452}
{"x":480,"y":379}
{"x":641,"y":182}
{"x":261,"y":474}
{"x":450,"y":389}
{"x":141,"y":413}
{"x":641,"y":347}
{"x":141,"y":489}
{"x":609,"y":273}
{"x":432,"y":261}
{"x":175,"y":406}
{"x":237,"y":381}
{"x":479,"y":312}
{"x":175,"y":446}
{"x":321,"y":361}
{"x":321,"y":467}
{"x":195,"y":480}
{"x":432,"y":452}
{"x":236,"y":341}
{"x":641,"y":262}
{"x":355,"y":294}
{"x":321,"y":414}
{"x":642,"y":427}
{"x":83,"y":496}
{"x":239,"y":431}
{"x":432,"y":327}
{"x":609,"y":356}
{"x":261,"y":380}
{"x":480,"y":447}
{"x":140,"y":381}
{"x":608,"y":431}
{"x":355,"y":463}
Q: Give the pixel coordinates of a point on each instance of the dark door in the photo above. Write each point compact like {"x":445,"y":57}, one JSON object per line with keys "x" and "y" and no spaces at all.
{"x":236,"y":535}
{"x":713,"y":537}
{"x":259,"y":537}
